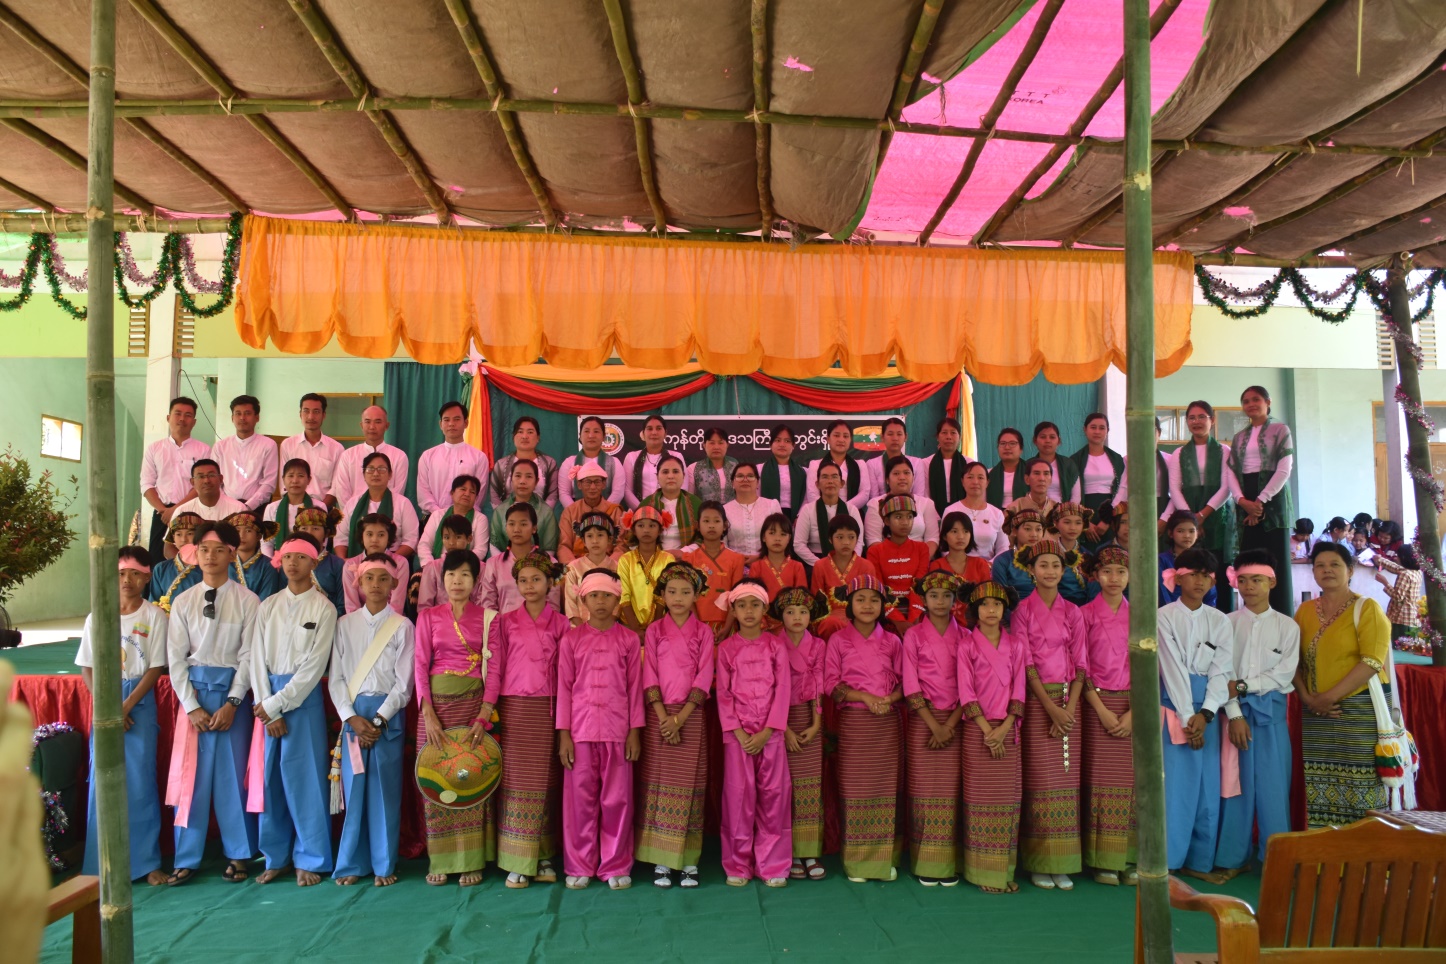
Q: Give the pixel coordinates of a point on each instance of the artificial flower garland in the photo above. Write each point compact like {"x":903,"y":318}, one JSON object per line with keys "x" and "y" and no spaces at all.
{"x":1228,"y":298}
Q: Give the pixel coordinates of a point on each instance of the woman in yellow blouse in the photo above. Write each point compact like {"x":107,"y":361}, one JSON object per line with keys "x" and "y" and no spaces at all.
{"x":640,"y":566}
{"x":1339,"y":653}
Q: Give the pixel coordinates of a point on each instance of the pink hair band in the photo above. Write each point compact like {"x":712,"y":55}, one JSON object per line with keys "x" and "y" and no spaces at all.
{"x":1251,"y":569}
{"x":743,"y":590}
{"x":295,"y":545}
{"x":1170,"y":577}
{"x":367,"y":566}
{"x":599,"y":582}
{"x":134,"y":564}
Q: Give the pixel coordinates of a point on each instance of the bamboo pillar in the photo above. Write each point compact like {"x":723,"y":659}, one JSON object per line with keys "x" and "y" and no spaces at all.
{"x":1154,"y":897}
{"x":1418,"y":452}
{"x":107,"y":728}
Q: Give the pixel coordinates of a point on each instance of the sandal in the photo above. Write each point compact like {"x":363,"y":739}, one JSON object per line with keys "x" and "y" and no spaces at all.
{"x":814,"y":868}
{"x":436,"y":880}
{"x":796,"y":872}
{"x":470,"y":879}
{"x":688,"y":877}
{"x":179,"y":876}
{"x":516,"y":881}
{"x":235,"y":872}
{"x":546,"y":873}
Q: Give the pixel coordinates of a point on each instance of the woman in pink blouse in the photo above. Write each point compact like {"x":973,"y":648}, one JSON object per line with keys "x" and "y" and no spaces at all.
{"x":1050,"y":625}
{"x":862,"y":670}
{"x":992,"y":666}
{"x":795,"y":608}
{"x":452,"y":655}
{"x":931,"y":687}
{"x":677,"y":675}
{"x":1109,"y":791}
{"x":753,"y":694}
{"x":522,"y":685}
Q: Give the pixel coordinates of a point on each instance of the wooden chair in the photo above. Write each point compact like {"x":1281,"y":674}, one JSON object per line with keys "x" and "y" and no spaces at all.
{"x":79,"y":898}
{"x":1371,"y":891}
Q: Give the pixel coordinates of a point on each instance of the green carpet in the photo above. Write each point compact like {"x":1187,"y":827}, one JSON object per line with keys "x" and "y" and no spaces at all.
{"x":47,"y":659}
{"x":806,"y":921}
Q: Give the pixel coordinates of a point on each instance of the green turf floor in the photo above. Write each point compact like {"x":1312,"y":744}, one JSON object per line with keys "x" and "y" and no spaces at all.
{"x":47,"y":659}
{"x":831,"y":920}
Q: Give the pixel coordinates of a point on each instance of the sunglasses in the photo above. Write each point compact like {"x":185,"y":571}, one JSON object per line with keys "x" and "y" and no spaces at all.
{"x":210,"y":611}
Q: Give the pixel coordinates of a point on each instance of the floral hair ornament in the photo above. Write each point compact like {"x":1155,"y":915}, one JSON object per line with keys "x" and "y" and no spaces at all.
{"x":590,"y":470}
{"x":743,"y":590}
{"x":1171,"y":577}
{"x":598,"y":520}
{"x":539,"y":560}
{"x":690,"y":574}
{"x":938,"y":579}
{"x":1064,"y":509}
{"x":129,"y":563}
{"x":294,"y":545}
{"x":1249,"y":569}
{"x":600,"y":581}
{"x":898,"y":503}
{"x":815,"y":603}
{"x":646,"y":513}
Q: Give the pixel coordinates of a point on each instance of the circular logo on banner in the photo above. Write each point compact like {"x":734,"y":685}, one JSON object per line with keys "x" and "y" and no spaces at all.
{"x":869,"y":438}
{"x":612,"y":439}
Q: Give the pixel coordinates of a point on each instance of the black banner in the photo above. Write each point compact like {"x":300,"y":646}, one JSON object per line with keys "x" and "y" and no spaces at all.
{"x":749,"y":436}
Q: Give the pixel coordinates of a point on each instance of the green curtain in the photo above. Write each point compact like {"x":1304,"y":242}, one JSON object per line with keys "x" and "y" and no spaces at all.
{"x":413,"y":394}
{"x":1023,"y":406}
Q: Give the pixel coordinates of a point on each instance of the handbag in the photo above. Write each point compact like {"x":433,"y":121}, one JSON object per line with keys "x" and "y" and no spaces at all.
{"x":1397,"y":759}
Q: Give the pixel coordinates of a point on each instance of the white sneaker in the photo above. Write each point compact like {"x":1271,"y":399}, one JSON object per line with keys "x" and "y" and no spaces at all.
{"x":620,"y":883}
{"x":577,"y":883}
{"x":1063,"y":882}
{"x":1042,"y":881}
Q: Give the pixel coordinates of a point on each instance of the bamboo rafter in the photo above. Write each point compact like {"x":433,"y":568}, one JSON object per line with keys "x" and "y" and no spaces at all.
{"x":1102,"y":94}
{"x":758,"y":28}
{"x":1259,"y":180}
{"x":1425,"y":210}
{"x":618,"y":25}
{"x":506,"y":119}
{"x":20,"y":192}
{"x":909,"y":72}
{"x":76,"y":160}
{"x":188,"y":51}
{"x":991,"y":117}
{"x":346,"y":69}
{"x":73,"y":70}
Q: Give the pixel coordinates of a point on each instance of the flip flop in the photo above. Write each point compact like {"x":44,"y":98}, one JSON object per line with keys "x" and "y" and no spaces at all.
{"x":234,"y":874}
{"x":179,"y":876}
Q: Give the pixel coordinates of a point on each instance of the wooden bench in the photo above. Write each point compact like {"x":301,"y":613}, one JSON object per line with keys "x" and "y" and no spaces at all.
{"x":1371,"y":891}
{"x":79,"y":899}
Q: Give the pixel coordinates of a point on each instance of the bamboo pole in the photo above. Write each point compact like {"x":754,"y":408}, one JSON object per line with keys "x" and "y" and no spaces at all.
{"x":618,"y":24}
{"x":909,"y":73}
{"x":1154,"y":896}
{"x":462,"y":19}
{"x":1418,"y":453}
{"x":1081,"y":123}
{"x":991,"y":117}
{"x":188,"y":52}
{"x":758,"y":27}
{"x":108,"y":724}
{"x":341,"y":62}
{"x":69,"y":155}
{"x":34,"y":199}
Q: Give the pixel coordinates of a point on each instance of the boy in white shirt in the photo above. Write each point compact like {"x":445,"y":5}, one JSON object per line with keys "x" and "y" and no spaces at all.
{"x":143,"y":660}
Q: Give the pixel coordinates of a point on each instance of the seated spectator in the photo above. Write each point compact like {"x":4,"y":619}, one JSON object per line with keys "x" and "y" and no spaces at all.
{"x":1302,"y":539}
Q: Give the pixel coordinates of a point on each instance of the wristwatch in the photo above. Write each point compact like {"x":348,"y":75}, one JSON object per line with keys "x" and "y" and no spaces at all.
{"x":234,"y":700}
{"x":1241,"y":688}
{"x":1209,"y":715}
{"x":379,"y":721}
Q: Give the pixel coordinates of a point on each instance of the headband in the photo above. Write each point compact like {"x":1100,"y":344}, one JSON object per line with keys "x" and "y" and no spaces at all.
{"x":938,"y":579}
{"x":1070,"y":508}
{"x":598,"y":520}
{"x":743,"y":590}
{"x":798,"y":596}
{"x":312,"y":516}
{"x":647,"y":512}
{"x":182,"y":520}
{"x":1111,"y":556}
{"x":599,"y":582}
{"x":1015,"y":518}
{"x":897,"y":503}
{"x":129,"y":563}
{"x":212,"y":534}
{"x":1249,"y":569}
{"x":367,"y":565}
{"x":295,"y":545}
{"x":1170,"y":577}
{"x":678,"y":569}
{"x":989,"y":589}
{"x":539,"y":560}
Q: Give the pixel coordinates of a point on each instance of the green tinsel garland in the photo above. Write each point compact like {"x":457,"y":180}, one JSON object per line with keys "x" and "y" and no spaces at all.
{"x":1358,"y":281}
{"x":169,"y":270}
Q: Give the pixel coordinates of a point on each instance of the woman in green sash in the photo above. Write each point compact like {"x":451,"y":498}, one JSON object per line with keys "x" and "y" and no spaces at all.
{"x":1101,"y":471}
{"x":1199,"y":483}
{"x":1006,"y":479}
{"x":779,"y":477}
{"x":1260,"y":459}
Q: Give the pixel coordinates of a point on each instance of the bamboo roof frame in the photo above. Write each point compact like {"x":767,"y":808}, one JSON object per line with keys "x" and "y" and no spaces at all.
{"x":642,"y":133}
{"x":758,"y":37}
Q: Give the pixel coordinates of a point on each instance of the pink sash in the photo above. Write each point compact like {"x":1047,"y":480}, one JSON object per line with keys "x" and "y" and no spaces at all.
{"x":256,"y":769}
{"x":181,"y":781}
{"x":1229,"y":753}
{"x":353,"y":746}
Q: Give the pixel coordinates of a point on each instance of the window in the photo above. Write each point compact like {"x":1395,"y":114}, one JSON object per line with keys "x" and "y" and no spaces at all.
{"x":1437,"y":411}
{"x":59,"y":438}
{"x":1173,"y":427}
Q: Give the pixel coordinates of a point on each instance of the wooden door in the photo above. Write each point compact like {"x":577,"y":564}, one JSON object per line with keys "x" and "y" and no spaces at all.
{"x":1438,"y":469}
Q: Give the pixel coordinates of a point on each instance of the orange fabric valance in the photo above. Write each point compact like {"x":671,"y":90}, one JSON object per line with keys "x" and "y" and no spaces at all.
{"x":1002,"y":316}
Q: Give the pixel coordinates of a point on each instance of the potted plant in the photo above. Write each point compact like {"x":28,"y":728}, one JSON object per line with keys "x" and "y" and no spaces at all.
{"x":34,"y":529}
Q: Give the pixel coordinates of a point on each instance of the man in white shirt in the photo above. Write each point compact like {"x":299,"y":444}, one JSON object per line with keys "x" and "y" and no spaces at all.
{"x":247,"y":459}
{"x":321,"y":452}
{"x":289,"y":652}
{"x":440,"y":464}
{"x":166,"y":469}
{"x":810,"y":534}
{"x":1267,"y":649}
{"x":142,"y":662}
{"x":371,"y":684}
{"x":895,"y":436}
{"x":349,"y":480}
{"x":211,"y":501}
{"x":640,"y":467}
{"x":209,"y":650}
{"x":1197,"y":647}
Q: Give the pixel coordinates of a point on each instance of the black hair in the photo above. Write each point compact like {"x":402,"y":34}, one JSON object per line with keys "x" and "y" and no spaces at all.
{"x":751,"y":581}
{"x":471,"y":480}
{"x":224,"y":530}
{"x":1407,"y":557}
{"x":1179,"y":516}
{"x":836,"y":423}
{"x":1362,"y":520}
{"x":1200,"y":560}
{"x":894,"y":463}
{"x":202,"y":463}
{"x":740,"y":466}
{"x":670,"y":457}
{"x":458,"y":525}
{"x":717,"y":507}
{"x":883,"y":606}
{"x":973,"y":607}
{"x":377,"y":455}
{"x":773,"y":435}
{"x":779,"y":520}
{"x":377,"y":519}
{"x":1206,"y":406}
{"x":968,"y":466}
{"x":606,"y":572}
{"x":591,"y":418}
{"x":528,"y":420}
{"x":949,"y":522}
{"x":313,"y":397}
{"x":839,"y":523}
{"x":183,"y":400}
{"x":1096,"y":415}
{"x":1390,"y":529}
{"x":1030,"y":463}
{"x":1304,"y":527}
{"x":518,"y":508}
{"x":1259,"y":390}
{"x":1009,"y":431}
{"x":1254,"y":557}
{"x":516,"y":462}
{"x":825,"y":463}
{"x":712,"y":432}
{"x":448,"y":406}
{"x":138,"y":553}
{"x":656,"y":418}
{"x":461,"y":559}
{"x":304,"y":538}
{"x":1326,"y":546}
{"x":296,"y":464}
{"x":1042,"y":426}
{"x":1336,"y":523}
{"x":893,"y":420}
{"x":951,"y":422}
{"x":251,"y":400}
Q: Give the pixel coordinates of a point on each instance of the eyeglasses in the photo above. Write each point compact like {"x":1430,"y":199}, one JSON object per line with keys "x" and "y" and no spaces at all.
{"x":210,"y":611}
{"x":375,"y":468}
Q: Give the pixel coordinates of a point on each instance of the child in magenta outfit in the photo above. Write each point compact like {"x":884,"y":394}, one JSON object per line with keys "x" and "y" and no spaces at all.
{"x":599,"y":723}
{"x":753,"y":694}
